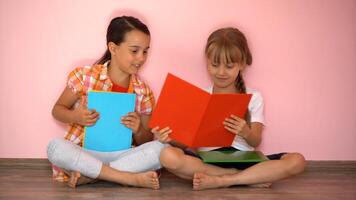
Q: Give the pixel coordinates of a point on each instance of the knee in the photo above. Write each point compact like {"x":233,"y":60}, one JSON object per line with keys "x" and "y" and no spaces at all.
{"x":154,"y":148}
{"x":54,"y":149}
{"x":171,"y":157}
{"x":296,"y":164}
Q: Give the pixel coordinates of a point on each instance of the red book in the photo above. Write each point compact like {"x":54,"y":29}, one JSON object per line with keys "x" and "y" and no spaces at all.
{"x":195,"y":116}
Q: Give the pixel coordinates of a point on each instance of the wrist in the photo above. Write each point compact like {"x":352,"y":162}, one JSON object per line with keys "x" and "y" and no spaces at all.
{"x":138,"y":131}
{"x":246,"y":133}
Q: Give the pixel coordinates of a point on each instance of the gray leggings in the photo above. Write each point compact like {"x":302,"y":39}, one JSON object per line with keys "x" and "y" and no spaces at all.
{"x":71,"y":157}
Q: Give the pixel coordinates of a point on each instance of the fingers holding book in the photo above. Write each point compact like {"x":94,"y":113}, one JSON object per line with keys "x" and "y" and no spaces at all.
{"x":132,"y":120}
{"x":162,"y":135}
{"x":235,"y":124}
{"x":84,"y":116}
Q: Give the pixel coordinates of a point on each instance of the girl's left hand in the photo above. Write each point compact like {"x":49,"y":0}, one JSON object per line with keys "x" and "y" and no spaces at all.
{"x":236,"y":125}
{"x":162,"y":135}
{"x":132,"y":120}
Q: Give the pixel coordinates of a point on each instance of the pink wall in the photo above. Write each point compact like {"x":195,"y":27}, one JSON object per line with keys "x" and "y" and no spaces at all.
{"x":304,"y":64}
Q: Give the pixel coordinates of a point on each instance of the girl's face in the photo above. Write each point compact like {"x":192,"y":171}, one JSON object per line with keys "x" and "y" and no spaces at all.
{"x":223,"y":75}
{"x":131,"y":54}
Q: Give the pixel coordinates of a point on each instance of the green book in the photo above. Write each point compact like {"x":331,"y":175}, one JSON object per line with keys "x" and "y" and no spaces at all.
{"x":231,"y":156}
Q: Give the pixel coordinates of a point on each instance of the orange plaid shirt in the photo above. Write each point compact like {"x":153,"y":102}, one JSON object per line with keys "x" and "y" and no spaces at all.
{"x":83,"y":79}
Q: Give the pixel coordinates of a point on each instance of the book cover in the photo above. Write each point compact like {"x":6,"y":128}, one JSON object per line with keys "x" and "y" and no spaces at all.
{"x":196,"y":116}
{"x":108,"y":134}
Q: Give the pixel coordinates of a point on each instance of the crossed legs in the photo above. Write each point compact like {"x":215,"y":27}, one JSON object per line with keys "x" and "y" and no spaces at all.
{"x":207,"y":176}
{"x":84,"y":167}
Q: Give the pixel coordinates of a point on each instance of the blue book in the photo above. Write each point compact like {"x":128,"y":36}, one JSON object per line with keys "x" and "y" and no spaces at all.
{"x":108,"y":134}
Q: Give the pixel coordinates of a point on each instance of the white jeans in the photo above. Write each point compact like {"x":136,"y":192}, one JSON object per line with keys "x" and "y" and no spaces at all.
{"x":68,"y":156}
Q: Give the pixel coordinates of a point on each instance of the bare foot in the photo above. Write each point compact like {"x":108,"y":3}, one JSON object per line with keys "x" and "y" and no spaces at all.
{"x":75,"y":179}
{"x":146,"y":179}
{"x":203,"y":181}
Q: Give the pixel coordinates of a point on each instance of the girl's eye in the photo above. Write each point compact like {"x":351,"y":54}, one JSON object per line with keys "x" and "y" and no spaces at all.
{"x":134,"y":50}
{"x":230,"y":65}
{"x":214,"y":64}
{"x":144,"y":52}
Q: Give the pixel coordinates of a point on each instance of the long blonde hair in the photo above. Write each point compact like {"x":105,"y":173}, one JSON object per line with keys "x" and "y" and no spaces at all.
{"x":229,"y":45}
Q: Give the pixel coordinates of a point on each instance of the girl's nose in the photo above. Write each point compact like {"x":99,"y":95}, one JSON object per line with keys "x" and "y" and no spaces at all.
{"x":141,"y":57}
{"x":221,"y":70}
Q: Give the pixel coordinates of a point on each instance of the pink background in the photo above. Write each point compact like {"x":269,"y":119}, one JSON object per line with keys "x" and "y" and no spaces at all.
{"x":304,"y":64}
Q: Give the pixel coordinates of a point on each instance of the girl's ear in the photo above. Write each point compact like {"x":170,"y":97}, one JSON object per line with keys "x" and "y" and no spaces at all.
{"x":112,"y":47}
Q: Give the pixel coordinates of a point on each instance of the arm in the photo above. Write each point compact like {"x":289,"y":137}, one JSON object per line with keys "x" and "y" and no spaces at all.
{"x":253,"y":134}
{"x":139,"y":125}
{"x":144,"y":134}
{"x":63,"y":110}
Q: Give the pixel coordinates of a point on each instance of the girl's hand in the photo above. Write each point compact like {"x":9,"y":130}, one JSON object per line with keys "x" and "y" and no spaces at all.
{"x":85,"y":117}
{"x":132,"y":120}
{"x":162,"y":135}
{"x":237,"y":126}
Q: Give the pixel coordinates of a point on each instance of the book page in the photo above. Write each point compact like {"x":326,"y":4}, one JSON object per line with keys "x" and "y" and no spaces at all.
{"x":211,"y":131}
{"x":180,"y":106}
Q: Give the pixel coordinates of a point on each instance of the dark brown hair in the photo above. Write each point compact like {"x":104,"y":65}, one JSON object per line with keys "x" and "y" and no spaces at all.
{"x":117,"y":29}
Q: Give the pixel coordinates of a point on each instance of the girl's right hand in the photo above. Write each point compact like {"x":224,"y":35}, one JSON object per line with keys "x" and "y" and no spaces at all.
{"x":85,"y":117}
{"x":162,"y":135}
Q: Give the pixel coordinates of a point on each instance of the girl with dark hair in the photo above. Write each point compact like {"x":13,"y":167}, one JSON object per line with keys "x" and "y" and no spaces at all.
{"x":128,"y":42}
{"x":227,"y":55}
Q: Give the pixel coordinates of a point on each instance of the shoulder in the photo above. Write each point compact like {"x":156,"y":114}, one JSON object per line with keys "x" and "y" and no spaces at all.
{"x":256,"y":95}
{"x":256,"y":106}
{"x":87,"y":70}
{"x":92,"y":69}
{"x":257,"y":101}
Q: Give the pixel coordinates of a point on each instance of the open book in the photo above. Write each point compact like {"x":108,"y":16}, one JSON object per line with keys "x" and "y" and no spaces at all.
{"x":195,"y":116}
{"x":108,"y":134}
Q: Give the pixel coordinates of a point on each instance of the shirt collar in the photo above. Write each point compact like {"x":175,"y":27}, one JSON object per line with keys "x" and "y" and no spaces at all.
{"x":104,"y":71}
{"x":134,"y":80}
